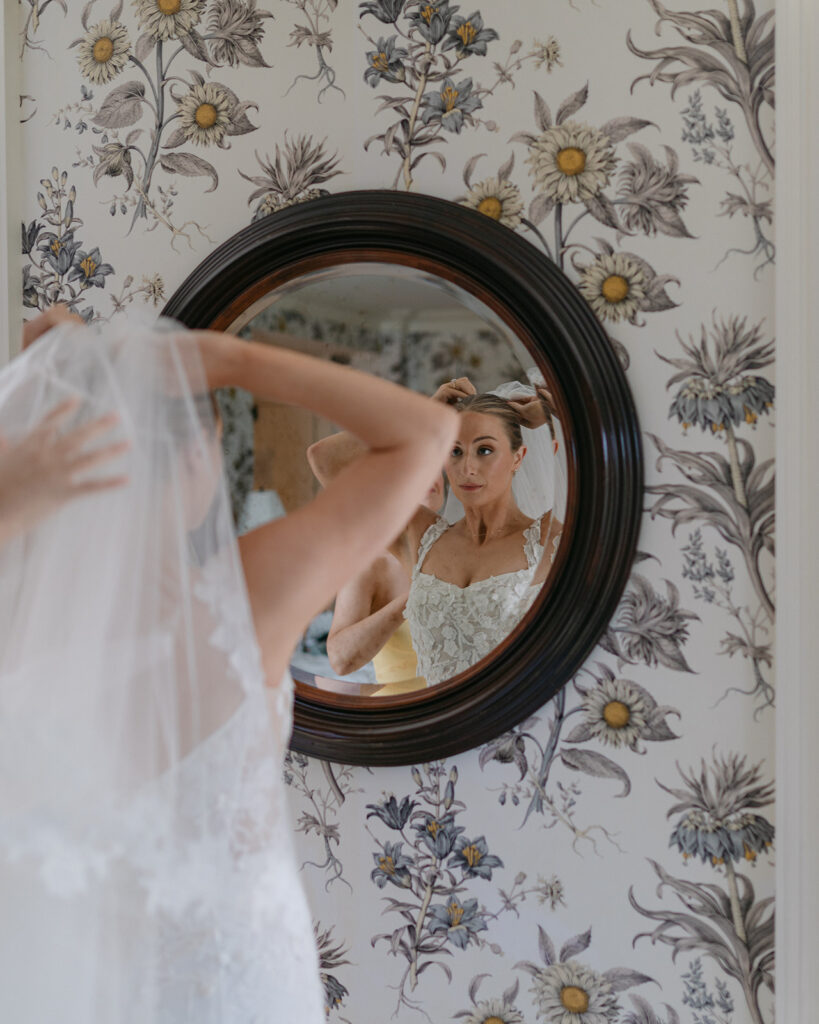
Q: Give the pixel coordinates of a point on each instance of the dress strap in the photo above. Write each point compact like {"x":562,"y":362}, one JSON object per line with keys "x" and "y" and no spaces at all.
{"x":431,"y":534}
{"x":532,"y":546}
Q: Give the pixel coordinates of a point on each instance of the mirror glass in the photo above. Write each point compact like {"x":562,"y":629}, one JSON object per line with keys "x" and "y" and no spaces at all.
{"x":421,"y":331}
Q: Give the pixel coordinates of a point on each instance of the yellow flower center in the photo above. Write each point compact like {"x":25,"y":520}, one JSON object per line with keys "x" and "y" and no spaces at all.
{"x":380,"y":62}
{"x":432,"y":828}
{"x":615,"y":288}
{"x":574,"y":998}
{"x":427,"y":13}
{"x":449,"y":96}
{"x":56,"y":245}
{"x":616,"y":714}
{"x":472,"y":855}
{"x":571,"y":161}
{"x":168,"y":7}
{"x":717,"y":860}
{"x":716,"y":427}
{"x":466,"y":33}
{"x":88,"y":266}
{"x":491,"y":206}
{"x":750,"y":417}
{"x":387,"y":865}
{"x":206,"y":115}
{"x":455,"y":914}
{"x":103,"y":50}
{"x":493,"y":1020}
{"x":749,"y":853}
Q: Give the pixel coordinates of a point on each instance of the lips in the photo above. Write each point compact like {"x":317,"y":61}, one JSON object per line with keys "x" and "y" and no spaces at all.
{"x":470,"y":487}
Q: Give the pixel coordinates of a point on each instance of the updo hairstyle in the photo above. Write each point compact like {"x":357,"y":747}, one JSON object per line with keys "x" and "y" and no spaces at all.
{"x":495,"y":406}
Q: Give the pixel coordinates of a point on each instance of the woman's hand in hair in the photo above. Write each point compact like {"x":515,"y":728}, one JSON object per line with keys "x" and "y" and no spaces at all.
{"x":454,"y":390}
{"x":536,"y":410}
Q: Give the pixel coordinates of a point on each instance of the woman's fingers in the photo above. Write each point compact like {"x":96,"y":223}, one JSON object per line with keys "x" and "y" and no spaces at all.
{"x":54,"y":315}
{"x":105,"y":484}
{"x":88,"y":460}
{"x":59,"y":413}
{"x":80,"y":437}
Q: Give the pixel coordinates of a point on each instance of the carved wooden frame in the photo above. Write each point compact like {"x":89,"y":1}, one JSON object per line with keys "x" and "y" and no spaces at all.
{"x":542,"y":307}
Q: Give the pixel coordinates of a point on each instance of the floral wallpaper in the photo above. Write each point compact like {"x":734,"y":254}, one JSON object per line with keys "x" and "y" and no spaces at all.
{"x":611,"y":858}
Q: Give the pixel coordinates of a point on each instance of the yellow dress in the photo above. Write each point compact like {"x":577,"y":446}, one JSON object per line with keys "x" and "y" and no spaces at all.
{"x":396,"y":665}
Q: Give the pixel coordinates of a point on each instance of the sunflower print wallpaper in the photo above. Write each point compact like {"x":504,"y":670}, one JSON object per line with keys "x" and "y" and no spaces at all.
{"x":610,"y":859}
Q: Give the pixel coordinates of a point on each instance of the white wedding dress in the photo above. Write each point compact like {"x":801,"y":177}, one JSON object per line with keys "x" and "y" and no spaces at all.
{"x":454,"y":627}
{"x":147,"y":874}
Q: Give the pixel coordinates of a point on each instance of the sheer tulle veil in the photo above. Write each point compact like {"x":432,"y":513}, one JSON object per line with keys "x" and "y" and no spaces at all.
{"x":146,"y":872}
{"x":540,"y":483}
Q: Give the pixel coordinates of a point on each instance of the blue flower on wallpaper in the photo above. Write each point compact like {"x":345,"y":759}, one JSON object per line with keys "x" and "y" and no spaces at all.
{"x":472,"y":856}
{"x":460,"y":921}
{"x":432,"y":20}
{"x":385,"y":62}
{"x":439,"y":834}
{"x":89,"y":269}
{"x":388,"y":11}
{"x":469,"y":36}
{"x":392,"y":866}
{"x":393,"y":814}
{"x":451,"y":105}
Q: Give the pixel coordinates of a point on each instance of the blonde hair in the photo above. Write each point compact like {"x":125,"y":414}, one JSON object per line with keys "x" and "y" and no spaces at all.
{"x":493,"y":405}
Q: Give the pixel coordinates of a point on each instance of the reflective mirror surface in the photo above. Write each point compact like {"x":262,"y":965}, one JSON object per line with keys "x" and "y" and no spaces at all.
{"x":462,"y":593}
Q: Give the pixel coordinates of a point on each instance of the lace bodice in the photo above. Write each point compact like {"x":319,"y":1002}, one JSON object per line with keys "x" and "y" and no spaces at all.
{"x":454,"y":627}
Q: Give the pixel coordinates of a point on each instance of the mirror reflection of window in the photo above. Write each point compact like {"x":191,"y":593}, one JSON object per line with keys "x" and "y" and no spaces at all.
{"x":442,"y":592}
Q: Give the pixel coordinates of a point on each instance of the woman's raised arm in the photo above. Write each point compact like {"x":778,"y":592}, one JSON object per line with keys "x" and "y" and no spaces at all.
{"x":295,"y":565}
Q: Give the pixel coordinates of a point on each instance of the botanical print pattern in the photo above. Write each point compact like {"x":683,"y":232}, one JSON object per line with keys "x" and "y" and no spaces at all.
{"x":610,"y":859}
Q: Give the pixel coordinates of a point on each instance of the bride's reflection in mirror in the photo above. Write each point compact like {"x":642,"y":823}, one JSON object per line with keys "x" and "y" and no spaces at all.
{"x":475,"y":554}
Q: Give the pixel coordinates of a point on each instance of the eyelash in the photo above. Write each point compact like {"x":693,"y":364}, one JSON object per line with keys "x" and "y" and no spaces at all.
{"x":484,"y":449}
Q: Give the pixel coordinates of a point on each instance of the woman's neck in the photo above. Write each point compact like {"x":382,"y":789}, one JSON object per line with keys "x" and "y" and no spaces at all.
{"x":494,"y":520}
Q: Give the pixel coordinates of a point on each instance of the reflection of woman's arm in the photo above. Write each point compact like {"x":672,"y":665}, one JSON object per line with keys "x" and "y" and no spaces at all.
{"x":295,"y":565}
{"x":330,"y":455}
{"x":358,"y":633}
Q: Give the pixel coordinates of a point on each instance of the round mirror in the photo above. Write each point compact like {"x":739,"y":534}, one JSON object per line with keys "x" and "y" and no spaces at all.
{"x":443,"y":300}
{"x":423,"y":332}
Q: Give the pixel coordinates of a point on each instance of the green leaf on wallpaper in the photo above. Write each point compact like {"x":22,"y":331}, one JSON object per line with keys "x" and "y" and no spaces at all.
{"x":620,"y":128}
{"x":602,"y":209}
{"x":572,"y":104}
{"x":144,"y":45}
{"x":195,"y":45}
{"x":598,"y":765}
{"x":122,"y":106}
{"x":191,"y":166}
{"x":543,"y":116}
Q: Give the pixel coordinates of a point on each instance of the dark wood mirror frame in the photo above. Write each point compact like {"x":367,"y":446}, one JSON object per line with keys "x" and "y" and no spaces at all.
{"x":604,"y":455}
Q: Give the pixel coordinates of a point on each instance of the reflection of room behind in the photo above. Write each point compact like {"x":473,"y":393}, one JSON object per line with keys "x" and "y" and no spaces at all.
{"x":420,"y":350}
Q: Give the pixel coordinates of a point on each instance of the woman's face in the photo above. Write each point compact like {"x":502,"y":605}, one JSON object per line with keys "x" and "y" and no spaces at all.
{"x":481,"y":463}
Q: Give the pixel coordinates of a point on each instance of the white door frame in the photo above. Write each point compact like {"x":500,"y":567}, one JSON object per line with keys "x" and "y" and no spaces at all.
{"x":797,"y":500}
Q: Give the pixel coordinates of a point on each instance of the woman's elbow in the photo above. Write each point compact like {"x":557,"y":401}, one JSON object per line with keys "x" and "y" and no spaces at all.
{"x":341,"y":662}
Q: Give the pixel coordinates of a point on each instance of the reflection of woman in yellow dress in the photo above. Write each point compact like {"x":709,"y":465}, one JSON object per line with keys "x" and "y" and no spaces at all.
{"x":368,"y":618}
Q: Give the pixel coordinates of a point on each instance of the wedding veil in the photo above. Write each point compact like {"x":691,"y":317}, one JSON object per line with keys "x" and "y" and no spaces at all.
{"x":540,"y":483}
{"x":146,"y":874}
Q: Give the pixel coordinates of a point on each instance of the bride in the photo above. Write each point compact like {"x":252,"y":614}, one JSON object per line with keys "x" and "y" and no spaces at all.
{"x":472,"y":581}
{"x":146,"y":869}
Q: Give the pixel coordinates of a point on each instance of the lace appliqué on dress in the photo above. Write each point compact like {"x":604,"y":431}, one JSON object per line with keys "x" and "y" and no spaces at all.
{"x":454,"y":627}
